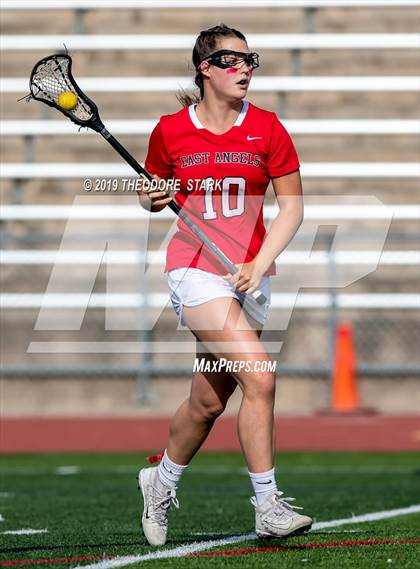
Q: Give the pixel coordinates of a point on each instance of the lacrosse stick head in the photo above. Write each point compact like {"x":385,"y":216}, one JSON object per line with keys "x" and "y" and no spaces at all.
{"x":52,"y":77}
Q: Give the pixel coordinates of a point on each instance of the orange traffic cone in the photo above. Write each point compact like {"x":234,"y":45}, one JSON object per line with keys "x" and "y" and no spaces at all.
{"x":345,"y":394}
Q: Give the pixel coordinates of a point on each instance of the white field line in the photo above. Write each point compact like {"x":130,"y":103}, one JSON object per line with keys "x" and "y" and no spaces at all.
{"x":27,"y":531}
{"x":184,"y":550}
{"x":372,"y":517}
{"x":210,"y":533}
{"x":67,"y":470}
{"x":180,"y":551}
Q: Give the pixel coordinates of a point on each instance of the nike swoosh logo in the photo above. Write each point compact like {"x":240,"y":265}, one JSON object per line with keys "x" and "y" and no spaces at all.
{"x":269,"y":482}
{"x":279,"y":525}
{"x":253,"y":137}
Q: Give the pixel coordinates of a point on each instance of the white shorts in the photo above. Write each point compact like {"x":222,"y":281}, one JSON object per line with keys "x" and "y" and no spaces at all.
{"x":190,"y":286}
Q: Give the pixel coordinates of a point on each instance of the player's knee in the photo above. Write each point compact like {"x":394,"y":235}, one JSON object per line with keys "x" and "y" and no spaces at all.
{"x":262,"y":386}
{"x":206,"y":410}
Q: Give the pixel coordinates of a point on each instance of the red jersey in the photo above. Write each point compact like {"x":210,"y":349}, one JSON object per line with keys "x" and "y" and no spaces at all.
{"x":221,"y":182}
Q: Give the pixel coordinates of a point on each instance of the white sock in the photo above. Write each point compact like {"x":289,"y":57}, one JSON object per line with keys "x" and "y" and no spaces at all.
{"x":169,"y":473}
{"x":264,"y":484}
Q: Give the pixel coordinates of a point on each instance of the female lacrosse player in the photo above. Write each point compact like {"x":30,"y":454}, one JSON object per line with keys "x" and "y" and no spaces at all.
{"x":223,"y":151}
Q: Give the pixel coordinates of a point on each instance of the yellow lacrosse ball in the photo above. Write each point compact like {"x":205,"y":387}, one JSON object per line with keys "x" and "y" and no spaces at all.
{"x":67,"y":100}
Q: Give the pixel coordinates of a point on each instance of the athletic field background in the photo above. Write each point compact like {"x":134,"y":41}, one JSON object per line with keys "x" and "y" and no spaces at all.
{"x":87,"y":509}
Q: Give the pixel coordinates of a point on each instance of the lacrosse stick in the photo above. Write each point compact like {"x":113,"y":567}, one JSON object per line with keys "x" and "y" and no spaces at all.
{"x":52,"y":83}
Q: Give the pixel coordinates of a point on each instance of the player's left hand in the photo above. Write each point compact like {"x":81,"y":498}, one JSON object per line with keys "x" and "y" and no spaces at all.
{"x":247,"y":278}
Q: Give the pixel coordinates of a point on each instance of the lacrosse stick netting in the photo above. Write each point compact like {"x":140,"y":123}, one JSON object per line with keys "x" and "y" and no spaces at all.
{"x":51,"y":77}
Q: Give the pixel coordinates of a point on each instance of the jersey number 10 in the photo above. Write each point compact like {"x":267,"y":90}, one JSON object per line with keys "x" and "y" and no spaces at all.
{"x":227,"y":211}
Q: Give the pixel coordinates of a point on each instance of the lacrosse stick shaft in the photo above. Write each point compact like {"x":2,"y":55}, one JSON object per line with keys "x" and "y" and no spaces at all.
{"x":122,"y":151}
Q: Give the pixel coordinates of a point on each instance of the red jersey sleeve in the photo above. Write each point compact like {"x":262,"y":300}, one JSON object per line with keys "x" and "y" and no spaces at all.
{"x":282,"y":158}
{"x":157,"y":159}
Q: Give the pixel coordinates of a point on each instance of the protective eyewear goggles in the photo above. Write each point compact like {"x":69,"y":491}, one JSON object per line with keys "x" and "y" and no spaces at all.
{"x":225,"y":58}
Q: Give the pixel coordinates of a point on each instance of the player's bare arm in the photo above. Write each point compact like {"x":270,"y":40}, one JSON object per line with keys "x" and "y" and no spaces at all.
{"x":288,"y":190}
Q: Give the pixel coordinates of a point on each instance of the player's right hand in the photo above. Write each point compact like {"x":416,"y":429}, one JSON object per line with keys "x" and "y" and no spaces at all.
{"x":155,"y":199}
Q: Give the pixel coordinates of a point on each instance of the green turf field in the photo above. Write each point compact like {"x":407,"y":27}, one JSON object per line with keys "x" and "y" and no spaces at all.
{"x":93,"y":511}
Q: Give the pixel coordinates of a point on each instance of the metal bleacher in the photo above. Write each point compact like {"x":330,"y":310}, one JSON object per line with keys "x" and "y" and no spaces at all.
{"x":46,"y":158}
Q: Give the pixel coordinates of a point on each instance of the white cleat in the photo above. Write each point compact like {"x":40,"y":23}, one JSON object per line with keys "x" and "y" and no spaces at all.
{"x":275,"y":517}
{"x":157,"y":498}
